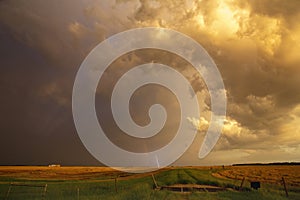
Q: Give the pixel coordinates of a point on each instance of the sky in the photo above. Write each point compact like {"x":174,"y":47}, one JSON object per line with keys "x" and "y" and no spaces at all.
{"x":254,"y":43}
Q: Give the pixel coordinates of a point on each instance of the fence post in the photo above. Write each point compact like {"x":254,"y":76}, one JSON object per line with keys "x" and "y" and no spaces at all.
{"x":285,"y":188}
{"x":156,"y":186}
{"x":8,"y":191}
{"x":116,"y":187}
{"x":242,"y":183}
{"x":77,"y":193}
{"x":45,"y":190}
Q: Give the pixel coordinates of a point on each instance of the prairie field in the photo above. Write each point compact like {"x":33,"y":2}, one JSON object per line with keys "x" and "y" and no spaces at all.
{"x":38,"y":182}
{"x":266,"y":174}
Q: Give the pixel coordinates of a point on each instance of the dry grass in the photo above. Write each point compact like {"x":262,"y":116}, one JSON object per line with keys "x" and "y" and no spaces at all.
{"x":97,"y":174}
{"x":99,"y":182}
{"x":267,"y":174}
{"x":61,"y":173}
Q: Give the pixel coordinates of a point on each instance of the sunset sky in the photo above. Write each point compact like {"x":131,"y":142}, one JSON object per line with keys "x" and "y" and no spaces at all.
{"x":255,"y":45}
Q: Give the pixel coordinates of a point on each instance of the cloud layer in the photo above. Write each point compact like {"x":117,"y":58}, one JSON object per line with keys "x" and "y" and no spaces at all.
{"x":254,"y":43}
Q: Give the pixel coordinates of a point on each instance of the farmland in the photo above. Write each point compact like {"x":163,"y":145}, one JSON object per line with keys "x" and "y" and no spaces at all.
{"x":106,"y":183}
{"x":265,"y":174}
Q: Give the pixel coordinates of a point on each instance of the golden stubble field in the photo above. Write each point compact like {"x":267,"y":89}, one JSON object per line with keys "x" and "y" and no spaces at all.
{"x":267,"y":174}
{"x":68,"y":173}
{"x":61,"y":173}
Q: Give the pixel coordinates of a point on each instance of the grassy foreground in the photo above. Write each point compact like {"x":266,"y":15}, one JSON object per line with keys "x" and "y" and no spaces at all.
{"x":100,"y":183}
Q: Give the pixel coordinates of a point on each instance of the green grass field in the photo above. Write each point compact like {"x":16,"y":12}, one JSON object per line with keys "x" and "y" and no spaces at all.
{"x":92,"y":184}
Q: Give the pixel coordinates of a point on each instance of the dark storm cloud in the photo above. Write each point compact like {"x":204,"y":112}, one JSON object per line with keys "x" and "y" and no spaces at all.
{"x":38,"y":65}
{"x":254,"y":43}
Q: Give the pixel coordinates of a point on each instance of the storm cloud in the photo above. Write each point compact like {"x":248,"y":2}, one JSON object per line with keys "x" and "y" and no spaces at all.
{"x":255,"y":45}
